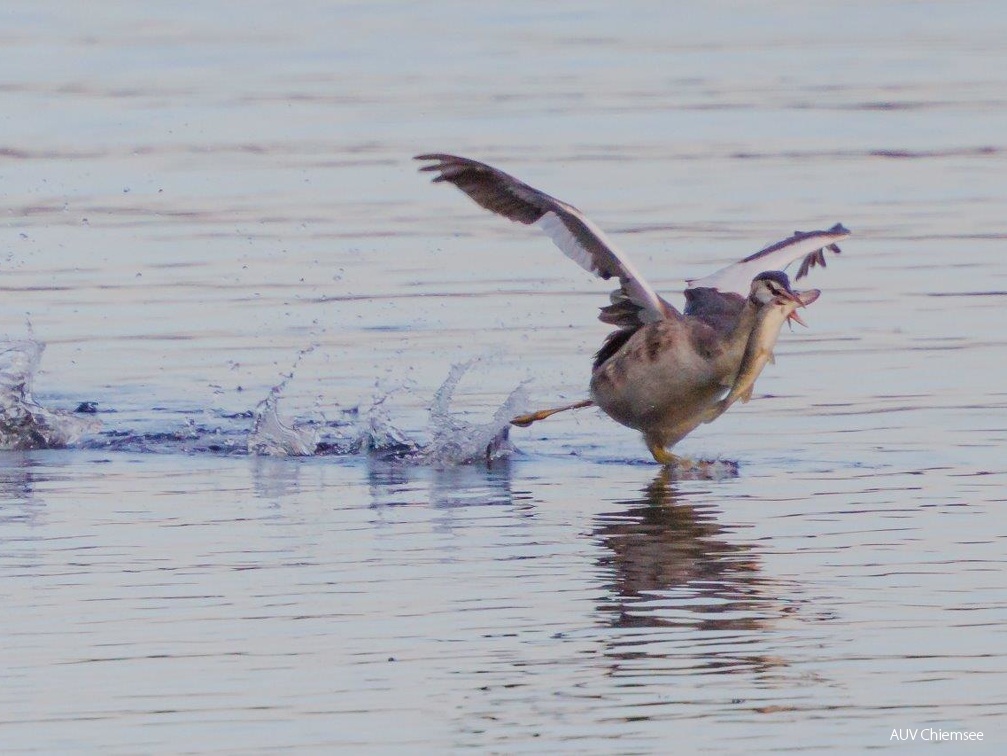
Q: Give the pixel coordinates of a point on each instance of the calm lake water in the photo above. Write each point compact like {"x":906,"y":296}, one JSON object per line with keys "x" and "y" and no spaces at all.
{"x":208,"y":204}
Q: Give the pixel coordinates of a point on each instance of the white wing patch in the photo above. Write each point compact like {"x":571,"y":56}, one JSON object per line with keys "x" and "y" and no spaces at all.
{"x":561,"y":236}
{"x":636,"y":286}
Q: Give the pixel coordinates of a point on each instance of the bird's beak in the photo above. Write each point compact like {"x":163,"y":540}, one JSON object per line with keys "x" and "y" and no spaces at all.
{"x":788,"y":296}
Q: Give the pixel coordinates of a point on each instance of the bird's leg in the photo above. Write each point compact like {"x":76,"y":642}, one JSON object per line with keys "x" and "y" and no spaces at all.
{"x":661,"y":455}
{"x":523,"y":421}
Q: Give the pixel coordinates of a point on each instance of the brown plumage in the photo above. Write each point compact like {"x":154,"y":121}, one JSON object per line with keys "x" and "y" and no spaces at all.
{"x":663,"y":372}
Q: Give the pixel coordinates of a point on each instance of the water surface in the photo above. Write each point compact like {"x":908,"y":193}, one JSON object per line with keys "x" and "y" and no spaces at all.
{"x":202,"y":206}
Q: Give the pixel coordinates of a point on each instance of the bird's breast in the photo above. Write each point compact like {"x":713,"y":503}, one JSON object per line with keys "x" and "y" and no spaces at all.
{"x":659,"y":377}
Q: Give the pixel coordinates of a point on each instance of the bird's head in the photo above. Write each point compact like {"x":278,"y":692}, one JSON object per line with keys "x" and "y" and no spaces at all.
{"x":772,"y":288}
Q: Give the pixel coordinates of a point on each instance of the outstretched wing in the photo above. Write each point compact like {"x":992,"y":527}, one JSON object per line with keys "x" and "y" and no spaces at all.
{"x":807,"y":246}
{"x":633,"y":304}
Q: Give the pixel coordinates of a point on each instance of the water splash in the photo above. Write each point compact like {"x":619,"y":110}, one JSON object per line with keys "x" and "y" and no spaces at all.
{"x":450,"y":439}
{"x":270,"y":436}
{"x":380,"y":434}
{"x":455,"y":441}
{"x":24,"y":423}
{"x":715,"y":469}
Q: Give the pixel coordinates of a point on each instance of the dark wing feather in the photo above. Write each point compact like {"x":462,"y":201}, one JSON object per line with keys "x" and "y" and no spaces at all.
{"x":719,"y":310}
{"x":613,"y":343}
{"x":633,"y":304}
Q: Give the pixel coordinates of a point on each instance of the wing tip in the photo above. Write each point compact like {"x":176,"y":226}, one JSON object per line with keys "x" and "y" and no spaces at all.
{"x":450,"y":167}
{"x":440,"y":156}
{"x":444,"y":165}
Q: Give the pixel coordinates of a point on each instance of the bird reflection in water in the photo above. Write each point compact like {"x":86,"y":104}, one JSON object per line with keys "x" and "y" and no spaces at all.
{"x":674,"y":568}
{"x":667,"y":556}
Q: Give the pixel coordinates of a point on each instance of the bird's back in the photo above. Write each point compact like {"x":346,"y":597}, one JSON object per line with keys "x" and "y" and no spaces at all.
{"x":717,"y":309}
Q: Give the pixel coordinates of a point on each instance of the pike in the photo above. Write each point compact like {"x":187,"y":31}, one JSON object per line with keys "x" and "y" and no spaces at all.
{"x":759,"y":349}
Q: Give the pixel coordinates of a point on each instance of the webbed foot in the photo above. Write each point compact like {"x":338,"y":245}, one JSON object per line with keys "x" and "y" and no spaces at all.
{"x":523,"y":421}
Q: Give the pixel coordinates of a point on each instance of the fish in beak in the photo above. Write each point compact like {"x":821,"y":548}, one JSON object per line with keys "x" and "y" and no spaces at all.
{"x":801,"y":299}
{"x":759,"y":349}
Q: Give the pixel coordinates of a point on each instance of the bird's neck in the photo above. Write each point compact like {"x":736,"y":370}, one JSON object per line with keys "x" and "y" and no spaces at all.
{"x":735,"y":342}
{"x":752,"y":343}
{"x":738,"y":336}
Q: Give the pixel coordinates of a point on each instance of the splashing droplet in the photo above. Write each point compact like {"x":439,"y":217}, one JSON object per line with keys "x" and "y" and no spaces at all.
{"x":456,"y":441}
{"x":270,"y":437}
{"x":24,"y":423}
